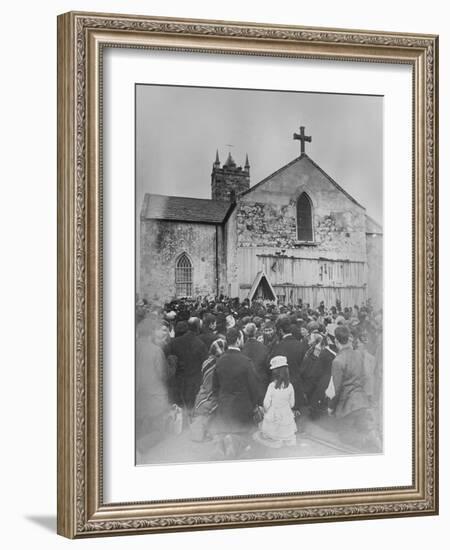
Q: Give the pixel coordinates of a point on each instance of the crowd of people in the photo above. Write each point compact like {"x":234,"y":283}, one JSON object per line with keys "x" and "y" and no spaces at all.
{"x":241,"y":373}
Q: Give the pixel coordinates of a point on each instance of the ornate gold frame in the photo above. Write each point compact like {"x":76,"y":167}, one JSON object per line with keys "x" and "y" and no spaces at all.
{"x":81,"y":37}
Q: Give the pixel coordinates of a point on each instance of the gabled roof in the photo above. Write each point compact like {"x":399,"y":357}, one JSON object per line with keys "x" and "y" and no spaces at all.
{"x":187,"y":209}
{"x":372,"y":226}
{"x":303,"y":157}
{"x":261,"y":276}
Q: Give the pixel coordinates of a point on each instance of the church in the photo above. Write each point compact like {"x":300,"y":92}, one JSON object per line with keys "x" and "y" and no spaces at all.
{"x":295,"y":235}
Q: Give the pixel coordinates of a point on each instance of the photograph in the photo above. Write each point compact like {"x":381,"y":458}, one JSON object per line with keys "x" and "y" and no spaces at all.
{"x":247,"y":274}
{"x":259,"y":274}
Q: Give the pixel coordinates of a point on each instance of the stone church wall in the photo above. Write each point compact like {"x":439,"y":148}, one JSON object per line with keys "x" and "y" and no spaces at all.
{"x":266,"y":216}
{"x":162,"y":242}
{"x":265,"y":225}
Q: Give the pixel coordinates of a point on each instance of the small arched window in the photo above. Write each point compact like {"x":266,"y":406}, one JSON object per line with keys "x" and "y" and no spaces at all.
{"x":183,"y":276}
{"x":304,"y":218}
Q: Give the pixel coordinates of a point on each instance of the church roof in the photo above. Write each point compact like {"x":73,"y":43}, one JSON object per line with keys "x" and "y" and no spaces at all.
{"x":304,"y":157}
{"x":162,"y":207}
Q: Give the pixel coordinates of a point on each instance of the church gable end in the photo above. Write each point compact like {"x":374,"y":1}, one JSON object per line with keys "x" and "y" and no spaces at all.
{"x":300,"y":205}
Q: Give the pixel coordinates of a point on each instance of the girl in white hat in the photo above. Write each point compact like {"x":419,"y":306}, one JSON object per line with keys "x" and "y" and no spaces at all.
{"x":278,"y":426}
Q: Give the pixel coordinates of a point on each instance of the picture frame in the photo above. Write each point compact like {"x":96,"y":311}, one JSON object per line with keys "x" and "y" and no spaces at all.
{"x":82,"y":40}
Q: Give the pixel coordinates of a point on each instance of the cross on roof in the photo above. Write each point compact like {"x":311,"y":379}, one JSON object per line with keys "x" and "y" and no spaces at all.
{"x":301,"y":136}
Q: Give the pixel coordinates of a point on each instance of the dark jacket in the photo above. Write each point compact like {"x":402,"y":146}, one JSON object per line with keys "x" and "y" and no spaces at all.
{"x":236,"y":387}
{"x":294,"y":351}
{"x":208,"y":337}
{"x":190,"y":352}
{"x":258,"y":354}
{"x":310,"y":371}
{"x":316,"y":374}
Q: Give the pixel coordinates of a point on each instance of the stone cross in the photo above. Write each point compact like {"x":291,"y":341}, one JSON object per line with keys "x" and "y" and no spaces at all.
{"x":301,"y":136}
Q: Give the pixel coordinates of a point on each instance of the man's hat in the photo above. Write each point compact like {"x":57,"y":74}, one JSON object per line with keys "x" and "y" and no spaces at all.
{"x":278,"y":361}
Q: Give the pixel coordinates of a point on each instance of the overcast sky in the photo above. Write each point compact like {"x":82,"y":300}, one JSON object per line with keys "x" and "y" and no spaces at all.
{"x":178,"y":130}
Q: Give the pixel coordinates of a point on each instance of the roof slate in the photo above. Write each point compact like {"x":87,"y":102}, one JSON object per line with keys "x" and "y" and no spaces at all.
{"x":161,"y":207}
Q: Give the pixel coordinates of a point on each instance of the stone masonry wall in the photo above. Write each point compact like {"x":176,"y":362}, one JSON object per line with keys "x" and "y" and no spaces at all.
{"x":162,"y":242}
{"x":260,"y":224}
{"x":266,"y":216}
{"x":228,"y":182}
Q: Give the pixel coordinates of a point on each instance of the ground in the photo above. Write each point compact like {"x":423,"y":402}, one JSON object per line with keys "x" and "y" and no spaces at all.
{"x":315,"y":440}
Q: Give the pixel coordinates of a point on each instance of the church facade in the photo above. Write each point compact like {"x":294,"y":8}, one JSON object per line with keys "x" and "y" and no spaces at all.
{"x":295,"y":235}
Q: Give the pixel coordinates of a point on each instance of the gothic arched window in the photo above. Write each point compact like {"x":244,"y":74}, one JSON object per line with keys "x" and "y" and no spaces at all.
{"x":183,"y":276}
{"x":304,"y":218}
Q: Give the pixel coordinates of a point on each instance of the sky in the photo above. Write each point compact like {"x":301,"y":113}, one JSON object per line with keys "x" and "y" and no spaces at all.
{"x":178,"y":130}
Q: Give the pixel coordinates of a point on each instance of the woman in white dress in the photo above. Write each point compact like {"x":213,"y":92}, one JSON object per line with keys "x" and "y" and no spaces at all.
{"x":278,"y":427}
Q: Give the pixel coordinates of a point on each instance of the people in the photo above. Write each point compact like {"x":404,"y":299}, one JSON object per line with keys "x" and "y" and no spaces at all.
{"x":269,"y":336}
{"x":208,"y":331}
{"x":189,"y":352}
{"x":348,"y":398}
{"x":236,"y":387}
{"x":294,"y":351}
{"x":258,"y":353}
{"x":223,"y":387}
{"x":278,"y":427}
{"x":206,"y":400}
{"x":152,"y":395}
{"x":317,"y":400}
{"x":310,"y":369}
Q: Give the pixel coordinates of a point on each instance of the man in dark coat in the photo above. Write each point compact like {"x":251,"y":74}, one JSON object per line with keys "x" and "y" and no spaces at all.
{"x":258,"y":353}
{"x":317,"y":399}
{"x":208,"y":334}
{"x":294,"y":351}
{"x":190,"y":352}
{"x":236,"y":387}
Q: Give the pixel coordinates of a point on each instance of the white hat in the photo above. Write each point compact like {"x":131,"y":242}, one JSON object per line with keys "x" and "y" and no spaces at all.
{"x":278,"y":361}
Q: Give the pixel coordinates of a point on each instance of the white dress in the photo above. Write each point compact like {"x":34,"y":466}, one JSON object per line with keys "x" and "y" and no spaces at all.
{"x":278,"y":423}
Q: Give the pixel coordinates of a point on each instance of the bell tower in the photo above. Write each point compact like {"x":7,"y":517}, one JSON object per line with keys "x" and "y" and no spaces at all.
{"x":228,"y":181}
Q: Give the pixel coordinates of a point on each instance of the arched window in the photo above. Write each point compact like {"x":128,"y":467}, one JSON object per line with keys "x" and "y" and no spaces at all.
{"x":304,"y":218}
{"x":183,"y":276}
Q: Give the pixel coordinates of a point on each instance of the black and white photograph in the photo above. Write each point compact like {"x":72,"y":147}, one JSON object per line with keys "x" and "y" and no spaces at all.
{"x":259,"y":274}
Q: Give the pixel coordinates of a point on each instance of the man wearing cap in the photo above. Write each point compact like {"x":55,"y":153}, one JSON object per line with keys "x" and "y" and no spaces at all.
{"x":294,"y":351}
{"x":349,"y":401}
